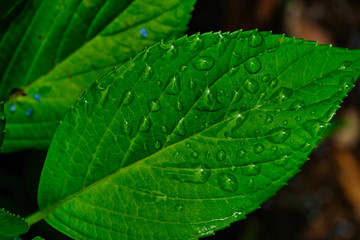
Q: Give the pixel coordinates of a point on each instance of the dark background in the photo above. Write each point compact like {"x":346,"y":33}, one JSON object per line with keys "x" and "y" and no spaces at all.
{"x":321,"y":202}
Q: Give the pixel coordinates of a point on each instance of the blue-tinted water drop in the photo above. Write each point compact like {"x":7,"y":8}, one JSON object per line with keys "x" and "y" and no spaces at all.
{"x":143,"y":33}
{"x":12,"y":108}
{"x":37,"y":97}
{"x":29,"y":112}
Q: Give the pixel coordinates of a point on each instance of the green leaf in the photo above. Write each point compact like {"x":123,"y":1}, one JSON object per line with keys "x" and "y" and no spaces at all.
{"x":11,"y":225}
{"x":2,"y":123}
{"x":7,"y":7}
{"x":38,"y":238}
{"x":56,"y":49}
{"x":191,"y":135}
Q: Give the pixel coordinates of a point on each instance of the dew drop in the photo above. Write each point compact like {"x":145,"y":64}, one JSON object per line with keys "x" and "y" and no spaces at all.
{"x":241,"y":153}
{"x":282,"y":162}
{"x":266,"y":78}
{"x":154,"y":105}
{"x":297,"y":105}
{"x":255,"y":40}
{"x":307,"y":148}
{"x":194,"y":154}
{"x":273,"y":83}
{"x":195,"y":43}
{"x":204,"y":63}
{"x":253,"y":65}
{"x":157,"y":145}
{"x":29,"y":112}
{"x":159,"y":83}
{"x":143,"y":33}
{"x":12,"y":108}
{"x":251,"y":183}
{"x":37,"y":97}
{"x":127,"y":97}
{"x":148,"y":73}
{"x":144,"y":124}
{"x":179,"y":208}
{"x":174,"y":86}
{"x":278,"y":135}
{"x":285,"y":122}
{"x":240,"y":120}
{"x":227,"y":182}
{"x":251,"y":170}
{"x":164,"y":129}
{"x":259,"y":148}
{"x":298,"y":118}
{"x":192,"y":84}
{"x":268,"y":119}
{"x":209,"y":101}
{"x":126,"y":128}
{"x":179,"y":106}
{"x":233,"y":71}
{"x":315,"y":127}
{"x":237,"y":95}
{"x":221,"y":154}
{"x":180,"y":128}
{"x":251,"y":85}
{"x":281,"y":95}
{"x":345,"y":65}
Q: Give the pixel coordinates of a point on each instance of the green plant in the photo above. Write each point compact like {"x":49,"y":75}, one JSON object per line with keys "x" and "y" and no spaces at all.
{"x":188,"y":136}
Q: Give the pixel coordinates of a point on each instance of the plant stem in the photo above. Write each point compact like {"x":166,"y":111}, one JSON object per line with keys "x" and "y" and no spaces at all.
{"x":35,"y":217}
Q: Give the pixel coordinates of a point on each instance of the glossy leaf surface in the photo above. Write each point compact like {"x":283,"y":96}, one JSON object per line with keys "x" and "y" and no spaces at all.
{"x":11,"y":225}
{"x":191,"y":135}
{"x":55,"y":49}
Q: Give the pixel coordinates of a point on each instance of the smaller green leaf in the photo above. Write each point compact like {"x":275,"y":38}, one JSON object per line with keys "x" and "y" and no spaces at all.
{"x":2,"y":123}
{"x":38,"y":238}
{"x":11,"y":225}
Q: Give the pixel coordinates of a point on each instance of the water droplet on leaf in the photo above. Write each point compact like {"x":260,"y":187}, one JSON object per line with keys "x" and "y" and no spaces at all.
{"x":255,"y":40}
{"x":154,"y":105}
{"x":144,"y":124}
{"x":126,"y":128}
{"x":221,"y":154}
{"x":278,"y":135}
{"x":179,"y":106}
{"x":259,"y":148}
{"x":253,"y":65}
{"x":174,"y":86}
{"x":180,"y":128}
{"x":157,"y":145}
{"x":281,"y":95}
{"x":227,"y":182}
{"x":209,"y":101}
{"x":204,"y":63}
{"x":251,"y":170}
{"x":127,"y":97}
{"x":251,"y":85}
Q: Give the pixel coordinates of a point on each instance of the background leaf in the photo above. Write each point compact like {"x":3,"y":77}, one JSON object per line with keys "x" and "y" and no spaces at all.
{"x":11,"y":225}
{"x":56,"y":49}
{"x":191,"y":135}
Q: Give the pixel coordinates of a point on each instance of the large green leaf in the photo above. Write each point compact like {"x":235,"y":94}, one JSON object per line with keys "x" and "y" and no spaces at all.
{"x":2,"y":123}
{"x":191,"y":135}
{"x":56,"y":49}
{"x":11,"y":225}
